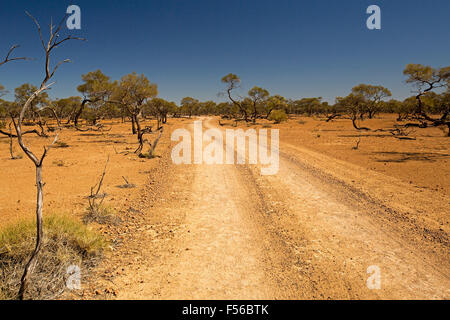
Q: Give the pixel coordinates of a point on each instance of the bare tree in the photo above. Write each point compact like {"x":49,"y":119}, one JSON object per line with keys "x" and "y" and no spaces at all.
{"x":53,"y":42}
{"x":152,"y":146}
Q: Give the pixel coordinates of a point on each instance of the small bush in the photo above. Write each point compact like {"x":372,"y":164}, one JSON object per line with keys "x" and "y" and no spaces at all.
{"x":278,"y":116}
{"x":66,"y":242}
{"x":101,"y":214}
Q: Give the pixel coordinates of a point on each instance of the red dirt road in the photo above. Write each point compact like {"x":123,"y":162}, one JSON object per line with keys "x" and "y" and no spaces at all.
{"x":308,"y":232}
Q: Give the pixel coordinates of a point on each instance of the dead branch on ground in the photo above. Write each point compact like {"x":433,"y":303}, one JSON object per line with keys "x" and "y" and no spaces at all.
{"x":93,"y":206}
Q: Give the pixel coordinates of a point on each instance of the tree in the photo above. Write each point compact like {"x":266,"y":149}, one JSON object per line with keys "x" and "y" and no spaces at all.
{"x":258,"y":98}
{"x":372,"y":95}
{"x":66,"y":107}
{"x":426,"y":79}
{"x":96,"y":90}
{"x":226,"y":109}
{"x":395,"y":106}
{"x":232,"y":82}
{"x":189,"y":105}
{"x":354,"y":105}
{"x":207,"y":107}
{"x":133,"y":93}
{"x":276,"y":102}
{"x":53,"y":42}
{"x":160,"y":108}
{"x":308,"y":105}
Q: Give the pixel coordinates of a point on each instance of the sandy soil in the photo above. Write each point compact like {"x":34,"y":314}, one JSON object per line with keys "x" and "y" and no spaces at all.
{"x":226,"y":232}
{"x":70,"y":172}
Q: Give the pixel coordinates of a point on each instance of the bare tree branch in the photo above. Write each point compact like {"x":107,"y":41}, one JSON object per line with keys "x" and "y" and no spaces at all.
{"x":8,"y":59}
{"x":52,"y":43}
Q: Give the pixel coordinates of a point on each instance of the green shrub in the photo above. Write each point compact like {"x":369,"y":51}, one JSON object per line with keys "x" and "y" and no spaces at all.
{"x":278,"y":116}
{"x":67,"y":242}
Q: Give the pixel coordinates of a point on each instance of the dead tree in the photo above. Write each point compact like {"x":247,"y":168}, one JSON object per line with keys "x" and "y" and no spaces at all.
{"x":141,"y":138}
{"x":152,"y":146}
{"x":95,"y":194}
{"x":52,"y":43}
{"x":151,"y":151}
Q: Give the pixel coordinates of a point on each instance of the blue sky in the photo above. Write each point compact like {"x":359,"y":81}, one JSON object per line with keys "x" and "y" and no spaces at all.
{"x":293,"y":48}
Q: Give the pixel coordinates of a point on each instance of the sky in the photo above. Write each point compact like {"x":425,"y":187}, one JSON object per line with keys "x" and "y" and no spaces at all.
{"x":293,"y":48}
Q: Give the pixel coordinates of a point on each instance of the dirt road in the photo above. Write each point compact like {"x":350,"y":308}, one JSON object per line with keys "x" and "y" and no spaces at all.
{"x":309,"y":232}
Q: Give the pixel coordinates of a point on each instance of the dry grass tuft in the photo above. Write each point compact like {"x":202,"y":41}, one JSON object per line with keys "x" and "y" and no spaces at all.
{"x":60,"y":144}
{"x":101,"y":214}
{"x":66,"y":242}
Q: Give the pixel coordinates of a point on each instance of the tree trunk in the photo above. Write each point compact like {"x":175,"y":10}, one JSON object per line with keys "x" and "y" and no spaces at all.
{"x":80,"y":111}
{"x":39,"y":234}
{"x":155,"y":143}
{"x":158,"y":125}
{"x":356,"y":127}
{"x":133,"y":124}
{"x":139,"y":132}
{"x":11,"y":143}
